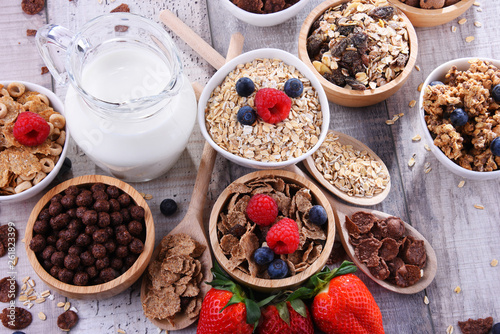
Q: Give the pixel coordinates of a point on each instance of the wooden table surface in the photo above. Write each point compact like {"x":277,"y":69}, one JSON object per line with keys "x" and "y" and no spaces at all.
{"x":465,"y":239}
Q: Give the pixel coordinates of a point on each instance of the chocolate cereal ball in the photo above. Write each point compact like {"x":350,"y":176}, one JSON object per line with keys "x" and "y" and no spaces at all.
{"x":62,"y":245}
{"x":80,"y":211}
{"x":69,"y":234}
{"x":81,"y":278}
{"x":116,"y":218}
{"x":83,"y":240}
{"x":71,"y":262}
{"x":59,"y":222}
{"x":90,"y":217}
{"x":110,"y":246}
{"x":65,"y":275}
{"x":57,"y":259}
{"x":114,"y":206}
{"x":113,"y":192}
{"x":47,"y":265}
{"x":125,"y":215}
{"x":135,"y":228}
{"x":52,"y":239}
{"x":137,"y":212}
{"x":75,"y":250}
{"x":38,"y":243}
{"x":91,"y":229}
{"x":123,"y":237}
{"x":47,"y":252}
{"x":54,"y":271}
{"x":55,"y":208}
{"x":124,"y":200}
{"x":87,"y":259}
{"x":116,"y":263}
{"x":99,"y":186}
{"x":121,"y":251}
{"x":92,"y":272}
{"x":41,"y":227}
{"x":72,"y":190}
{"x":108,"y":274}
{"x":100,"y":236}
{"x":136,"y":246}
{"x":98,"y":251}
{"x":56,"y":198}
{"x":130,"y":260}
{"x":84,"y":198}
{"x":101,"y":205}
{"x":100,"y":264}
{"x":75,"y":224}
{"x":103,"y":219}
{"x":97,"y":195}
{"x":71,"y":212}
{"x":44,"y":215}
{"x":68,"y":201}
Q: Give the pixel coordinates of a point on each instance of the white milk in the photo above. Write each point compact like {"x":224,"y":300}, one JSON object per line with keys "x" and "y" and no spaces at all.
{"x":137,"y":149}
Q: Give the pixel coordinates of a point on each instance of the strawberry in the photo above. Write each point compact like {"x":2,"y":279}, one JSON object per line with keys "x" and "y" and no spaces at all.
{"x":226,"y":309}
{"x":281,"y":319}
{"x":342,"y":303}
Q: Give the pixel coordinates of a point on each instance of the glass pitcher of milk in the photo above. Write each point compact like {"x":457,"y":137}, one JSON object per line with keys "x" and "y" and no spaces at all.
{"x":129,"y":107}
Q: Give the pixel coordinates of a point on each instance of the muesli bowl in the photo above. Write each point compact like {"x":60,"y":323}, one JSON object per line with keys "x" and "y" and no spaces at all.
{"x":232,"y":197}
{"x":127,"y":276}
{"x":438,"y":74}
{"x":350,"y":97}
{"x":302,"y":132}
{"x":420,"y":17}
{"x":264,"y":20}
{"x":58,"y":106}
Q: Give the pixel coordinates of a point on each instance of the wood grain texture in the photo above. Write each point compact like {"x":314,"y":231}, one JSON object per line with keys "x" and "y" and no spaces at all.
{"x":465,"y":239}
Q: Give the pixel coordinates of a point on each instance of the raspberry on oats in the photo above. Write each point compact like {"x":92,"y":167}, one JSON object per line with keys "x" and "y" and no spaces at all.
{"x":31,"y":129}
{"x":262,"y":210}
{"x":283,"y":237}
{"x":273,"y":105}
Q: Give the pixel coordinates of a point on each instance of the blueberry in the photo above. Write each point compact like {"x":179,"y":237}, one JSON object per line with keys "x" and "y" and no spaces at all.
{"x":245,"y":87}
{"x":434,"y":83}
{"x":496,"y":328}
{"x":168,"y":207}
{"x":277,"y":269}
{"x":246,"y":115}
{"x":495,"y":93}
{"x":263,"y":256}
{"x":293,"y":87}
{"x":495,"y":149}
{"x":317,"y":215}
{"x":18,"y":332}
{"x":458,"y":117}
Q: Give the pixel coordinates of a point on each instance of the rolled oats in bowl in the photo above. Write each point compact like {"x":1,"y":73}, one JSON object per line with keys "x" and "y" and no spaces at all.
{"x":462,"y":113}
{"x":262,"y":141}
{"x":361,"y":44}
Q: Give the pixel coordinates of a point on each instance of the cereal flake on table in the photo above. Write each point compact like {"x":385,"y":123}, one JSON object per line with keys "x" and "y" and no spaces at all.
{"x":361,"y":44}
{"x":265,"y":142}
{"x":354,"y":172}
{"x":470,"y":90}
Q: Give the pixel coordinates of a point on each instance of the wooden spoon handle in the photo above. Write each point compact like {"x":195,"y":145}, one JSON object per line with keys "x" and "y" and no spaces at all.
{"x":209,"y":154}
{"x":192,"y":39}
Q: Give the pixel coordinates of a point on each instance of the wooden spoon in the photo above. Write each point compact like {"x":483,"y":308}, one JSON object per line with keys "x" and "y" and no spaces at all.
{"x":341,"y":210}
{"x":192,"y":223}
{"x":357,"y":145}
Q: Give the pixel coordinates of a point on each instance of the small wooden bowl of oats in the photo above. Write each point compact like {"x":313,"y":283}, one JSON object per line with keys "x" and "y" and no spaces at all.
{"x":37,"y":165}
{"x":358,"y":69}
{"x":421,"y":17}
{"x":262,"y":145}
{"x":230,"y":208}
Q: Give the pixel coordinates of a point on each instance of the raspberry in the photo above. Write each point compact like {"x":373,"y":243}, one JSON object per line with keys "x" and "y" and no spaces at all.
{"x":31,"y":129}
{"x":272,"y":105}
{"x":283,"y":237}
{"x":262,"y":210}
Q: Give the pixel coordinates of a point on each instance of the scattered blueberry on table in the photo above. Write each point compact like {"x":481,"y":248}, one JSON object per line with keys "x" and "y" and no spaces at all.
{"x":168,"y":207}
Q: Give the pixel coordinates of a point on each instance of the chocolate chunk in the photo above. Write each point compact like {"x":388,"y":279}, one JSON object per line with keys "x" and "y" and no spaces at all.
{"x":32,"y":7}
{"x":476,"y":326}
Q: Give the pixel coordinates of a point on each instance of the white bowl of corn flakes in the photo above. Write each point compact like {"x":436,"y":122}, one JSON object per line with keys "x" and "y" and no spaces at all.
{"x":263,"y":144}
{"x":460,"y":116}
{"x":31,"y":163}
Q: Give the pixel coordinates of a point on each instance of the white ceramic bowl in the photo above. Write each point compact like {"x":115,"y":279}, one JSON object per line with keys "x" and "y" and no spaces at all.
{"x":221,"y":74}
{"x":439,"y":74}
{"x":58,"y":106}
{"x":264,"y":20}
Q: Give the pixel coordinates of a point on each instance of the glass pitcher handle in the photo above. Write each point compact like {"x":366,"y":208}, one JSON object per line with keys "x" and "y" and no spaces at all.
{"x":52,"y":42}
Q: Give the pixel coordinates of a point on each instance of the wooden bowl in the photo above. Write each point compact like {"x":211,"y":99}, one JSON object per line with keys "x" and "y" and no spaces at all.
{"x":115,"y":286}
{"x":433,"y":17}
{"x":348,"y":97}
{"x":270,"y":285}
